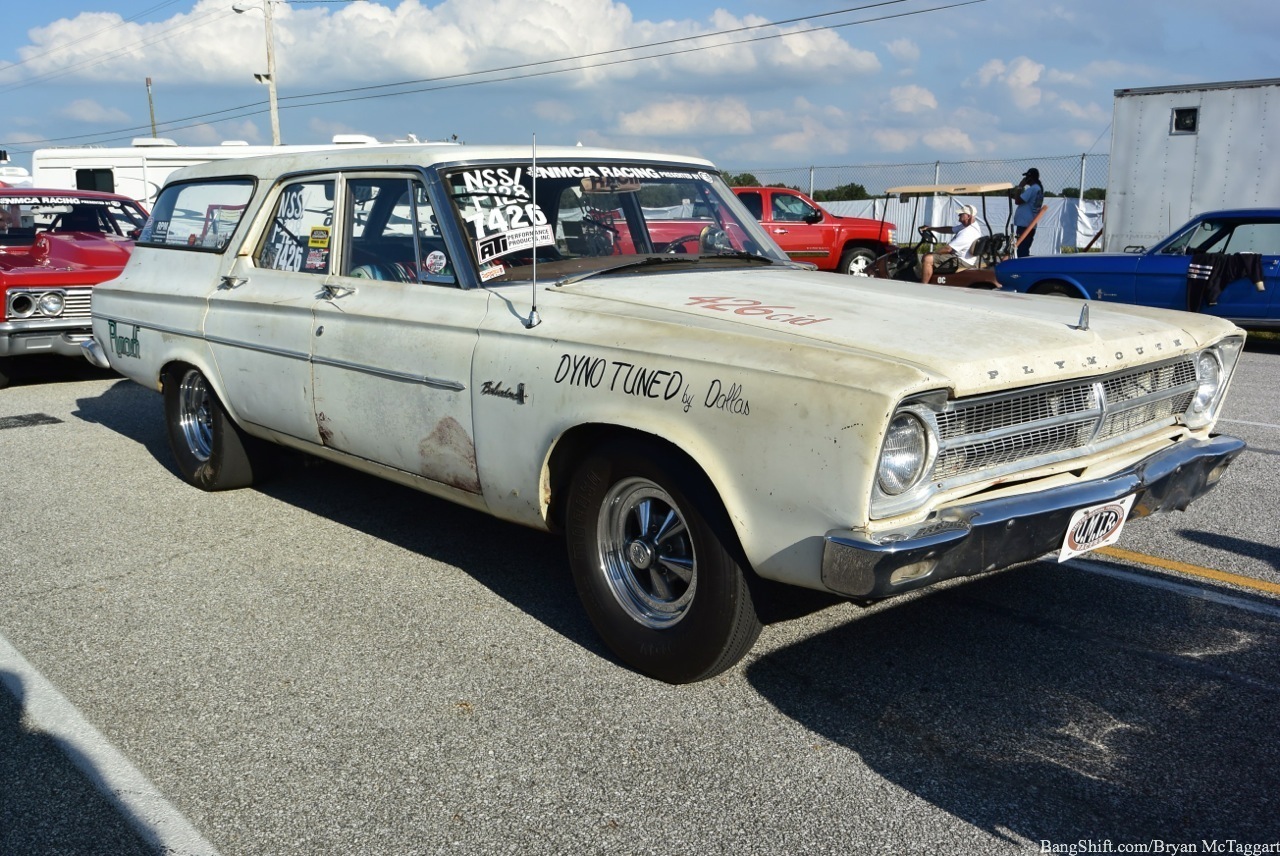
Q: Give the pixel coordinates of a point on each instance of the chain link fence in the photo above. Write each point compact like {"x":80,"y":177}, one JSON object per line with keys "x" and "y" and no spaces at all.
{"x":1071,"y":173}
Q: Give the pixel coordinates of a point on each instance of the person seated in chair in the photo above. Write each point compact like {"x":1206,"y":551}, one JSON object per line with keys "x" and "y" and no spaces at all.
{"x":957,"y":254}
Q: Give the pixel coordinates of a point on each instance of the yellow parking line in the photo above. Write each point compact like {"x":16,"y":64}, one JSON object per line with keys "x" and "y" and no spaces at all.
{"x":1192,"y":570}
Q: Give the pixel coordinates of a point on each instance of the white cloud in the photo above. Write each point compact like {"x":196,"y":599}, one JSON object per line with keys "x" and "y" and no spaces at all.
{"x":893,"y":139}
{"x":1090,"y":112}
{"x":903,"y":50}
{"x":949,"y":140}
{"x":678,"y":117}
{"x":911,"y":99}
{"x":1019,"y":77}
{"x":91,"y":112}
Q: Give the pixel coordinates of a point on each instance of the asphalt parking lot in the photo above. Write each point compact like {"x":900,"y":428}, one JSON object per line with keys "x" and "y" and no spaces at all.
{"x":334,"y":664}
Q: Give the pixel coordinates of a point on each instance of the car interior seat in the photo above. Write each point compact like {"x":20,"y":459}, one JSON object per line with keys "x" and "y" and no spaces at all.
{"x":81,"y":218}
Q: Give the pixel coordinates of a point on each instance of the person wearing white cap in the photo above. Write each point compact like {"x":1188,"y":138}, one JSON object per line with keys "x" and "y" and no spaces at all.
{"x":957,"y":254}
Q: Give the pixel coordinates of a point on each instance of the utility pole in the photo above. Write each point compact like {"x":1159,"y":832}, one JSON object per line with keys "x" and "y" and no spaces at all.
{"x":270,"y":77}
{"x":151,"y":105}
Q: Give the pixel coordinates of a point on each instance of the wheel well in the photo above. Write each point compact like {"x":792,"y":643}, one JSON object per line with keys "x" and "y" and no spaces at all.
{"x":1055,"y":286}
{"x":577,"y":443}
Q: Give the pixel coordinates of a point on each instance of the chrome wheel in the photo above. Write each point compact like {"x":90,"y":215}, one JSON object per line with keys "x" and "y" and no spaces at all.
{"x":646,"y":553}
{"x":195,"y":415}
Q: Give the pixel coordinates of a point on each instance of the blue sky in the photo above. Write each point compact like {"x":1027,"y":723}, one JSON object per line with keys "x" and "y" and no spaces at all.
{"x":988,"y":80}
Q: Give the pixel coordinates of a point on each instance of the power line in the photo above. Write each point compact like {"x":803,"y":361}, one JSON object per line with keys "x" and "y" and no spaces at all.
{"x":258,"y":110}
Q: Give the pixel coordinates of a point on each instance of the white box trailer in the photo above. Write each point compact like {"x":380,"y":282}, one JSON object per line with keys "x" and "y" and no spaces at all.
{"x":140,"y":170}
{"x":1179,"y":150}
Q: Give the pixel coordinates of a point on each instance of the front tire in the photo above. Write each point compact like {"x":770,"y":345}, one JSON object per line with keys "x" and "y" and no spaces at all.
{"x":211,"y":451}
{"x":857,"y":261}
{"x":655,"y":563}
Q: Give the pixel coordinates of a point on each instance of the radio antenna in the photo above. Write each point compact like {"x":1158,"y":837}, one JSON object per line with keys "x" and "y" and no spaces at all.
{"x":533,"y":320}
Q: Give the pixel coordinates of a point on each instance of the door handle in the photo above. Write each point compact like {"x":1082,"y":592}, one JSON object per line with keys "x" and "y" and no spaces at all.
{"x":778,"y":231}
{"x":228,"y":281}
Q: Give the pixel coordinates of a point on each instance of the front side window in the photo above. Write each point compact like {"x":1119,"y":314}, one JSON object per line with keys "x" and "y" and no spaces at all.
{"x":583,"y":216}
{"x":299,"y":237}
{"x":393,"y":233}
{"x":1202,"y":237}
{"x":197,"y":215}
{"x":791,"y":209}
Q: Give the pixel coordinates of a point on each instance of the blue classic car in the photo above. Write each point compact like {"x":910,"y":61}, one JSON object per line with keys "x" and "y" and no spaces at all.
{"x":1224,"y":263}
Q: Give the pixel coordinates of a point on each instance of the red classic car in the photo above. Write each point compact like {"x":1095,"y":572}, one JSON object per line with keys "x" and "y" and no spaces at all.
{"x":55,"y":245}
{"x":808,"y":233}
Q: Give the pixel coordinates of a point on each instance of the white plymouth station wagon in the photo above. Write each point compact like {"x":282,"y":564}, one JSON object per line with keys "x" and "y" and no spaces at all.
{"x":606,"y":344}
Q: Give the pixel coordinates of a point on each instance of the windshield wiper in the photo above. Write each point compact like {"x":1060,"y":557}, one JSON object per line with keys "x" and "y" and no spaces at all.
{"x":647,"y":260}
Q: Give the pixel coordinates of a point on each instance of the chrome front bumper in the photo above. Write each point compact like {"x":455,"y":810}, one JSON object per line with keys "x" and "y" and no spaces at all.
{"x":1001,"y":533}
{"x":17,"y":340}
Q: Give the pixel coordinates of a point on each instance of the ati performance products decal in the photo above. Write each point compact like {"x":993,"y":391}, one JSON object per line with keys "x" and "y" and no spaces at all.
{"x":514,"y":241}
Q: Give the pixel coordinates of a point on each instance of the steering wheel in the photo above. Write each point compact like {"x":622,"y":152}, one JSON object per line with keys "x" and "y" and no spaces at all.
{"x":711,"y":239}
{"x":928,"y":236}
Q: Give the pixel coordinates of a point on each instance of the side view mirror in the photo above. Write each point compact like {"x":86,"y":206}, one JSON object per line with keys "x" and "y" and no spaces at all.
{"x":815,"y":217}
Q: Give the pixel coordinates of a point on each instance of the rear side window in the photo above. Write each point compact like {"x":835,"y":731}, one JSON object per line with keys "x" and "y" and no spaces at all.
{"x":300,"y":236}
{"x":197,"y":215}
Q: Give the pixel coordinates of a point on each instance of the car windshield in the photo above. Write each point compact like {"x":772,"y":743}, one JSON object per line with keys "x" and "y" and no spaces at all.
{"x":592,"y":216}
{"x":23,"y":216}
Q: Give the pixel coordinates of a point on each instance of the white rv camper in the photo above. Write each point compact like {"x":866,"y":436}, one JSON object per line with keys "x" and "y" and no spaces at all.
{"x":140,"y":170}
{"x":1179,"y":150}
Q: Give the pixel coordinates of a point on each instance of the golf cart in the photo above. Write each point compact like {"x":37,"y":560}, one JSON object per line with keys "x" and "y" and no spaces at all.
{"x":903,"y":262}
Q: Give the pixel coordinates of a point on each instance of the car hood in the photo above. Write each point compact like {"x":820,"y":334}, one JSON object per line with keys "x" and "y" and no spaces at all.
{"x":979,"y":340}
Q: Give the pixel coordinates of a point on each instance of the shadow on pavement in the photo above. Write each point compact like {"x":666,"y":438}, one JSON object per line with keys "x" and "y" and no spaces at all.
{"x":1121,"y":713}
{"x":53,"y":368}
{"x":131,"y":411}
{"x":525,"y":567}
{"x":46,"y":804}
{"x":1239,"y":546}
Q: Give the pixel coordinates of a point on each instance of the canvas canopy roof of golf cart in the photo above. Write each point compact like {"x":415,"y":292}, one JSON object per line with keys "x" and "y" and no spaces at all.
{"x":909,"y":190}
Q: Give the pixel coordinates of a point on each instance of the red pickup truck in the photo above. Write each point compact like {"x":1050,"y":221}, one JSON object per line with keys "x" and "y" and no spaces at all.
{"x":807,"y":233}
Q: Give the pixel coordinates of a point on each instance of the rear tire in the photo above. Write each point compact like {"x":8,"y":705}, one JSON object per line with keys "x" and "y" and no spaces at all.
{"x":857,"y":261}
{"x":656,"y":564}
{"x":211,"y":451}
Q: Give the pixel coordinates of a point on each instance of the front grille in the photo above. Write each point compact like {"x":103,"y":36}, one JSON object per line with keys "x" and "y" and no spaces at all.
{"x":996,"y":435}
{"x":77,"y":303}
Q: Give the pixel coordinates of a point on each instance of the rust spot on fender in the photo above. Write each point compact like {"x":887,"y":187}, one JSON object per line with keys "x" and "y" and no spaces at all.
{"x":326,"y":434}
{"x":448,"y":455}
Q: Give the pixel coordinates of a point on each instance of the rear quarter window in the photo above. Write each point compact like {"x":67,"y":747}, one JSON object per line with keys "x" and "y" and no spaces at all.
{"x":197,"y":215}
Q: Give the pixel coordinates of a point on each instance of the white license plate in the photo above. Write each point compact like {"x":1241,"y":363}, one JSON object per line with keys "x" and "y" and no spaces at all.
{"x":1094,"y":527}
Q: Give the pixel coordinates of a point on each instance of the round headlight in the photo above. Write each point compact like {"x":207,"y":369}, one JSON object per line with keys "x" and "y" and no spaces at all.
{"x":21,"y":306}
{"x":906,"y":451}
{"x":1209,"y":373}
{"x":50,"y":303}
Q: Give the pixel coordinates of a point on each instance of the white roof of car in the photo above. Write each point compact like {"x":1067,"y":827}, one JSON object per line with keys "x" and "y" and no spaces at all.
{"x":427,"y":154}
